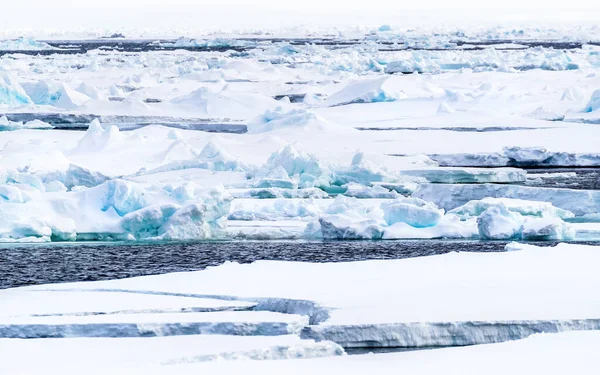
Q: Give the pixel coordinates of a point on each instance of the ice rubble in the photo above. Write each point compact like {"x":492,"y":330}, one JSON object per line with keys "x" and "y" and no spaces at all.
{"x":118,"y":209}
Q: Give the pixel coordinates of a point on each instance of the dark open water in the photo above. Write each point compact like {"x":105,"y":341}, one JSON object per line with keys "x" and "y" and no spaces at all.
{"x":39,"y":264}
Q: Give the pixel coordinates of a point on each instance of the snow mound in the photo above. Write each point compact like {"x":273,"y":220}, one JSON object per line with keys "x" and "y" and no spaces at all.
{"x":383,"y":89}
{"x":98,"y":137}
{"x":226,"y":104}
{"x":296,"y":119}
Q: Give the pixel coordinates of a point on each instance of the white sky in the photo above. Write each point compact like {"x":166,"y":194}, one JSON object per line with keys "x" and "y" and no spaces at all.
{"x":235,"y":14}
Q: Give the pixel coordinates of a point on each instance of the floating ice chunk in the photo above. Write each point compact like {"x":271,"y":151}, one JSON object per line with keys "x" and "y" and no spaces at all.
{"x":11,"y":92}
{"x":498,"y":223}
{"x":546,"y":229}
{"x":594,"y":103}
{"x":412,"y":211}
{"x":523,"y":207}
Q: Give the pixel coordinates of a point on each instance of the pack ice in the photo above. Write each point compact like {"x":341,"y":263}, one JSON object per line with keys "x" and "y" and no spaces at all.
{"x":225,"y":136}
